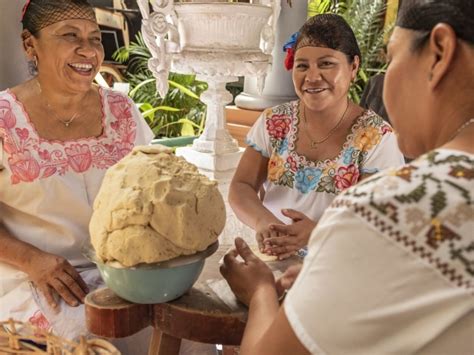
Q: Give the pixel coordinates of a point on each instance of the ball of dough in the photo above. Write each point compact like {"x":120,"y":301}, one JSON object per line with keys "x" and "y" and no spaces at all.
{"x":154,"y":206}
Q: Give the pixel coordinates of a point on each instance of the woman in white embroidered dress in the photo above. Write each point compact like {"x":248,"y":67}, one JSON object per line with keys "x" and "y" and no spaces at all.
{"x":306,"y":152}
{"x":58,"y":134}
{"x":390,"y":264}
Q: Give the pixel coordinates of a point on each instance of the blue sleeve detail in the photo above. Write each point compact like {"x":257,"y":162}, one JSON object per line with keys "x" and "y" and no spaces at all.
{"x":257,"y":148}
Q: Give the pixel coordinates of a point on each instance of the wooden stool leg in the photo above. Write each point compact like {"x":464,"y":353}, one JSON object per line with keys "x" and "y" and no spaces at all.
{"x":163,"y":344}
{"x":230,"y":350}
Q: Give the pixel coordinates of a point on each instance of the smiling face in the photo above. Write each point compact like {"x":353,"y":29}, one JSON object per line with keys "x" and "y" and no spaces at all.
{"x":322,"y":76}
{"x":69,"y":54}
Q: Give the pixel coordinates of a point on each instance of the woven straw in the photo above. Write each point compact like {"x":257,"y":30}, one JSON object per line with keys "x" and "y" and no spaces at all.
{"x":14,"y":337}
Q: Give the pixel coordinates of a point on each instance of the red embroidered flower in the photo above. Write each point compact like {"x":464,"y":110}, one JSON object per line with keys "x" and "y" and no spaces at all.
{"x":7,"y":119}
{"x":22,"y":133}
{"x":278,"y":126}
{"x":79,"y":157}
{"x":292,"y":162}
{"x":386,"y":128}
{"x":346,"y":176}
{"x":39,"y":320}
{"x":119,"y":106}
{"x":24,"y":167}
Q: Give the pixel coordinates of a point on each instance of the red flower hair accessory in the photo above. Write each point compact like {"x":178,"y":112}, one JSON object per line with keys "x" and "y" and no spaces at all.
{"x":289,"y":48}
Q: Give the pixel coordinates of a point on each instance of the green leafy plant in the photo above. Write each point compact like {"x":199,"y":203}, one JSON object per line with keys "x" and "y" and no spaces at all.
{"x":180,"y":112}
{"x":366,"y":18}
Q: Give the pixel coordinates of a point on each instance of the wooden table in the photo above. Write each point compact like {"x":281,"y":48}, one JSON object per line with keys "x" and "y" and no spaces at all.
{"x":199,"y":315}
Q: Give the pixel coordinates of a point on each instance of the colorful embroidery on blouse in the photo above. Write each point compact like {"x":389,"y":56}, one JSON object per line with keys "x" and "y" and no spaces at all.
{"x":287,"y":168}
{"x":427,"y":207}
{"x":32,"y":158}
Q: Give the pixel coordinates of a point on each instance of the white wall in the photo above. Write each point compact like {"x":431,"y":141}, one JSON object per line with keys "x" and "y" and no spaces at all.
{"x":13,"y":64}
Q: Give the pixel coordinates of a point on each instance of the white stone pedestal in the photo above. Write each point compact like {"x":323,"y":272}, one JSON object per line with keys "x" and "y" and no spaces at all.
{"x":278,"y":83}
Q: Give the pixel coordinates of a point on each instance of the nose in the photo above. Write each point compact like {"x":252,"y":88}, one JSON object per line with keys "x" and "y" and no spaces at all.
{"x":313,"y":74}
{"x":86,"y":49}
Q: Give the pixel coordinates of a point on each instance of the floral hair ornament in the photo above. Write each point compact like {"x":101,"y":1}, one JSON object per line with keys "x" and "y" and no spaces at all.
{"x":289,"y":48}
{"x":25,"y":7}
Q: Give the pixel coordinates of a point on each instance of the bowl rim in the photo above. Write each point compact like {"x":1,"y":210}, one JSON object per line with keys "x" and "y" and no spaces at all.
{"x":89,"y":253}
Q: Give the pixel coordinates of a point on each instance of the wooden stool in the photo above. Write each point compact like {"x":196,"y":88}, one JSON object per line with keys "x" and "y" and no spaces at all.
{"x":199,"y":315}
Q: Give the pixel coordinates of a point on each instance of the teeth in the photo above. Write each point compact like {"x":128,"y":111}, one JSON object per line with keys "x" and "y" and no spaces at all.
{"x":314,"y":90}
{"x":82,"y":66}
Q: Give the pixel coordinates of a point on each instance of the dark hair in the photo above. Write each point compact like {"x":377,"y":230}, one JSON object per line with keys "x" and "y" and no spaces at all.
{"x":41,"y":13}
{"x":330,"y":31}
{"x":423,"y":15}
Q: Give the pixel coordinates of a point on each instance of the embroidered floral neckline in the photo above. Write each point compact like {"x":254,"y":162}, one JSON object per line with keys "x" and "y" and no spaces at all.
{"x":293,"y":134}
{"x":57,"y":141}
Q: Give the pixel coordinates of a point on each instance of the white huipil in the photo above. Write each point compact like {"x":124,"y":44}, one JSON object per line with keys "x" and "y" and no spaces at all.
{"x":47,"y":190}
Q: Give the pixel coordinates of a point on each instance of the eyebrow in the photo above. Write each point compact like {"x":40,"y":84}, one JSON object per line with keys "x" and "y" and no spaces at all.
{"x":69,"y":27}
{"x":323,"y":57}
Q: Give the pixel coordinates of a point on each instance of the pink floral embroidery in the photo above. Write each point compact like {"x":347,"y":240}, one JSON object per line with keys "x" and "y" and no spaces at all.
{"x":386,"y":128}
{"x":79,"y":157}
{"x":278,"y":126}
{"x":346,"y":176}
{"x":24,"y":167}
{"x":292,"y":162}
{"x":32,"y":158}
{"x":39,"y":320}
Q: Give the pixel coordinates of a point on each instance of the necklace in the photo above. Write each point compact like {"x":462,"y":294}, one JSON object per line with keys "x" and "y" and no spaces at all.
{"x":66,"y":123}
{"x":459,"y":130}
{"x":314,"y":143}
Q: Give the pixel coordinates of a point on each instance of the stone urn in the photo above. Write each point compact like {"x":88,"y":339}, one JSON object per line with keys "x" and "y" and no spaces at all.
{"x":217,"y":41}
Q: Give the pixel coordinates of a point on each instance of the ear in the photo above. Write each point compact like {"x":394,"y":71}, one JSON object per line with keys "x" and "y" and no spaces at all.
{"x":355,"y":67}
{"x":28,"y":44}
{"x":442,"y":48}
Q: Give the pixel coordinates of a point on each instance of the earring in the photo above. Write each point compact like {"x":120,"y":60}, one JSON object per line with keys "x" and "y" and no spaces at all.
{"x":35,"y":62}
{"x":430,"y":76}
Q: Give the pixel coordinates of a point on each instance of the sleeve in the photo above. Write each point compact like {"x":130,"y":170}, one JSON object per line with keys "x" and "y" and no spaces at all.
{"x":359,"y":293}
{"x":144,"y":134}
{"x":383,"y":155}
{"x":258,"y":137}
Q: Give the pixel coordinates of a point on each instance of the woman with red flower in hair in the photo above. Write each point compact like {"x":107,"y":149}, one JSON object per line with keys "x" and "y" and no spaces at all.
{"x":303,"y":153}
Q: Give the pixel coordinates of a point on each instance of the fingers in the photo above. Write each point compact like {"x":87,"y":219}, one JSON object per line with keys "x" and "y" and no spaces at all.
{"x":64,"y":292}
{"x":244,"y":250}
{"x":73,"y":286}
{"x":72,"y":272}
{"x":281,"y":229}
{"x":280,"y":241}
{"x":48,"y":294}
{"x":293,"y":214}
{"x":227,"y":261}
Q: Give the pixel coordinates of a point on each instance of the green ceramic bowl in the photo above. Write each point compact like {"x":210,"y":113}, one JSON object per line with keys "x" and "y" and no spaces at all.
{"x":153,"y":283}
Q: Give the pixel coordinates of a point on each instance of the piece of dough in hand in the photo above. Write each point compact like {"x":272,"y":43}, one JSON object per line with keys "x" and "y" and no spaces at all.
{"x":262,"y":256}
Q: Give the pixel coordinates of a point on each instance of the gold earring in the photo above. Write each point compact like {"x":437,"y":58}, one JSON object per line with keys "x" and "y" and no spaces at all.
{"x":35,"y":62}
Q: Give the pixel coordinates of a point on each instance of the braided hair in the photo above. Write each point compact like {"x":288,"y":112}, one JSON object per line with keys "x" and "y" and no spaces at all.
{"x":423,"y":15}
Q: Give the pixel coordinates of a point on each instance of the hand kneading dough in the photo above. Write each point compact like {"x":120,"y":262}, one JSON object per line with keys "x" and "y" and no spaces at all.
{"x":154,"y":206}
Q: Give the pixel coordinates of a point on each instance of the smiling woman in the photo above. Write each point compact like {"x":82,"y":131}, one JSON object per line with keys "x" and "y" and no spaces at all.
{"x":60,"y":133}
{"x":304,"y":153}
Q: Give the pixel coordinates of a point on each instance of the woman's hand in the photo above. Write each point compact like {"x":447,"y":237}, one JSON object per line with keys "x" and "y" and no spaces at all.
{"x":245,"y":278}
{"x":290,"y":238}
{"x":264,"y":231}
{"x":53,"y":275}
{"x":288,"y":278}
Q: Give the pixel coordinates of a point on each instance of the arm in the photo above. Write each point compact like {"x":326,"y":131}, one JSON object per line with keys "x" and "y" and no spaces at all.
{"x":267,"y":330}
{"x":52,"y":274}
{"x":243,"y":194}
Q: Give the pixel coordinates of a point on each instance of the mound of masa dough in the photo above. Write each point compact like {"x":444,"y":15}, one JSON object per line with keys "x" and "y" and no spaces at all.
{"x":154,"y":206}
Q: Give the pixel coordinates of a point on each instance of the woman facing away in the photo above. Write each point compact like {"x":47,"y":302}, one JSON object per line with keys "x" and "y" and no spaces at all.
{"x":58,"y":134}
{"x":307,"y":151}
{"x":390,"y":264}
